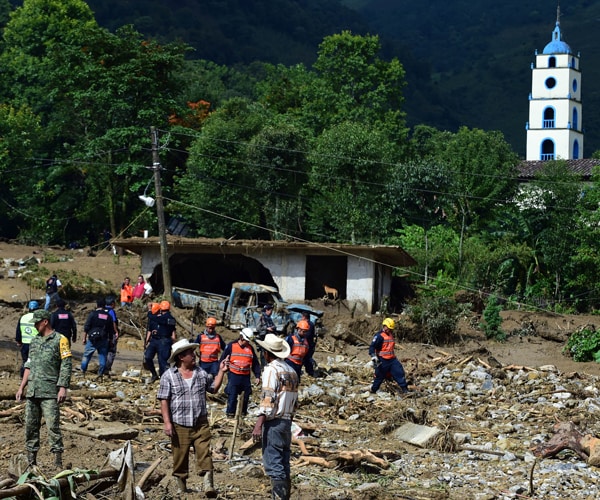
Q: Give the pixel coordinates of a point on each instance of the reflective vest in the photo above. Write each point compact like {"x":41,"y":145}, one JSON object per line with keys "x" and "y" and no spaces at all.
{"x":209,"y":348}
{"x":240,"y":361}
{"x":28,"y":330}
{"x":126,"y":293}
{"x":387,"y":349}
{"x":299,"y":350}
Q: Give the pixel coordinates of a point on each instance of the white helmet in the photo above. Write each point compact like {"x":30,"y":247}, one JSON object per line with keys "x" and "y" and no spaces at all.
{"x":247,"y":333}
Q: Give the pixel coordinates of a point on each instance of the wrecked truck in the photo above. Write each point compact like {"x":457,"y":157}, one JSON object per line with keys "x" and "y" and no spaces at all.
{"x":243,"y":307}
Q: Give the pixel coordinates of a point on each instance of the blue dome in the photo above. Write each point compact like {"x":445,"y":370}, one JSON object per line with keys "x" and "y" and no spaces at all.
{"x":557,"y":46}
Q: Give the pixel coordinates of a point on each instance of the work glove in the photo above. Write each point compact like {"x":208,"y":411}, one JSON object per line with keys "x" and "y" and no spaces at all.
{"x":375,"y":361}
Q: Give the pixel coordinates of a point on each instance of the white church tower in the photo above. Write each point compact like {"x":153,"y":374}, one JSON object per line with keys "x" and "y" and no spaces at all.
{"x":554,"y":130}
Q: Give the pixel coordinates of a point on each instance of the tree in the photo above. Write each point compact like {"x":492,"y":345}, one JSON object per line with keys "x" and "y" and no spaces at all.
{"x":351,"y":169}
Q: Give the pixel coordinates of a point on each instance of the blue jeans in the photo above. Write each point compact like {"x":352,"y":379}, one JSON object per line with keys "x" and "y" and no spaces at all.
{"x":88,"y":352}
{"x":211,"y":367}
{"x":160,"y":346}
{"x":276,"y":444}
{"x":236,"y":384}
{"x":392,"y":367}
{"x":49,"y":298}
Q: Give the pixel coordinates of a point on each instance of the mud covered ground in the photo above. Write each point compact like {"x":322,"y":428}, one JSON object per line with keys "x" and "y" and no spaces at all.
{"x":337,"y":403}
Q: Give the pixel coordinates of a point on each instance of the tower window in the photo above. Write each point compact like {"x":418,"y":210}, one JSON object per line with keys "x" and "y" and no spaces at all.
{"x":547,"y":150}
{"x":575,"y":85}
{"x":576,"y":150}
{"x":550,"y":83}
{"x":575,"y":119}
{"x":552,"y":62}
{"x":548,"y":121}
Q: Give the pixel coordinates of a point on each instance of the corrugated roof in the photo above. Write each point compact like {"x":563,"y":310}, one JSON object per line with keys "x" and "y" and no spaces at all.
{"x":386,"y":254}
{"x":583,"y":167}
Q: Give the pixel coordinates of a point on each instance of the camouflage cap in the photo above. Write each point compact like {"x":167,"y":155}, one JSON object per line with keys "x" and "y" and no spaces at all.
{"x":41,"y":314}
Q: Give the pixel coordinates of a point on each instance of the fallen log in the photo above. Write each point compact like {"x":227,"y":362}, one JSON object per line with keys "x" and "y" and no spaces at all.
{"x":568,"y":437}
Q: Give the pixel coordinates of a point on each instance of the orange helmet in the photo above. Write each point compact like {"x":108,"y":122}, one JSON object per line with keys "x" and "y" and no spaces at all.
{"x":303,"y":325}
{"x":155,"y":307}
{"x":211,"y":322}
{"x":165,"y":305}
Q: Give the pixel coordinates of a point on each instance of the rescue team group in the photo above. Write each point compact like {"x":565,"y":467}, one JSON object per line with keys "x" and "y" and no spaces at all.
{"x":184,"y":381}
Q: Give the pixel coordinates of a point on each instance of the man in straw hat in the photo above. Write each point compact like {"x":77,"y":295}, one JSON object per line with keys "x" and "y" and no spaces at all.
{"x":278,"y":405}
{"x":182,"y":395}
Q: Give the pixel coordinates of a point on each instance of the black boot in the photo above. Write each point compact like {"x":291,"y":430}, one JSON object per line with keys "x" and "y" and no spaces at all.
{"x":279,"y":489}
{"x":32,"y":457}
{"x":58,"y":459}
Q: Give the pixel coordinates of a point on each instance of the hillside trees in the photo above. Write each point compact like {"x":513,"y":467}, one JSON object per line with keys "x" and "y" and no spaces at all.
{"x":95,"y":94}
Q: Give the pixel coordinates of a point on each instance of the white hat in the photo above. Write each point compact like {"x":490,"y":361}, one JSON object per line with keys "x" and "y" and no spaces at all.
{"x":180,"y":346}
{"x":247,"y":333}
{"x":275,"y":345}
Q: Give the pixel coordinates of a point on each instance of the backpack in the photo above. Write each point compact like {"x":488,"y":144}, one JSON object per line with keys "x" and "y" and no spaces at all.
{"x":96,"y":335}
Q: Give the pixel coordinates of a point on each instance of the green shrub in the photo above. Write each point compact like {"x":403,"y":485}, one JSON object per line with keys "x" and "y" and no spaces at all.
{"x":584,"y":345}
{"x":492,"y":320}
{"x":437,"y":317}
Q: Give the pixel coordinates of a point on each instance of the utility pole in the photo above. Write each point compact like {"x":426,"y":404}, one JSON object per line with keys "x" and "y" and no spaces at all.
{"x":160,"y":213}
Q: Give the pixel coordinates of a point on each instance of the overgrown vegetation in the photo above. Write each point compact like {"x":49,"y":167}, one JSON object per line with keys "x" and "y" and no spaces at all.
{"x":493,"y":320}
{"x":584,"y":345}
{"x":437,"y":317}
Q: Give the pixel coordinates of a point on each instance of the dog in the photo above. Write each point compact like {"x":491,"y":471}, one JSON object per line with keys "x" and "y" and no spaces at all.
{"x":330,"y":292}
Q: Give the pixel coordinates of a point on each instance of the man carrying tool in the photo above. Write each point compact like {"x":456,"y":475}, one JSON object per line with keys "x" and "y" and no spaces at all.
{"x":384,"y":359}
{"x":242,"y":361}
{"x":211,"y":346}
{"x":182,"y":395}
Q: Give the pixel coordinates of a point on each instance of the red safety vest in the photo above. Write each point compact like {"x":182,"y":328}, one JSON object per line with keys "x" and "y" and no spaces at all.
{"x":387,"y":349}
{"x":300,"y":349}
{"x":240,"y":361}
{"x":209,"y":348}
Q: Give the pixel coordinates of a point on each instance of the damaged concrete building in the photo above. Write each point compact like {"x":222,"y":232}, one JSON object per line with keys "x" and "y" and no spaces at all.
{"x":362,"y":274}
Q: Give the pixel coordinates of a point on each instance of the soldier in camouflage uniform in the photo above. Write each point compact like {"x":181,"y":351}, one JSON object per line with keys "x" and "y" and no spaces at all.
{"x":47,"y":377}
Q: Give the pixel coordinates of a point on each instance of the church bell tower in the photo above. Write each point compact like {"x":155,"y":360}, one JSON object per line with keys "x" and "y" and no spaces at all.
{"x":554,"y":130}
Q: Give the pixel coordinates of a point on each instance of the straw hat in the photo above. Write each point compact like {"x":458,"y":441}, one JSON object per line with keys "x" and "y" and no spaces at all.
{"x":180,"y":346}
{"x":275,"y":345}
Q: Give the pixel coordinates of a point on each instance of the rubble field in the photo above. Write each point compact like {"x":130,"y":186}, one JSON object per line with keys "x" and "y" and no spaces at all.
{"x":480,"y":423}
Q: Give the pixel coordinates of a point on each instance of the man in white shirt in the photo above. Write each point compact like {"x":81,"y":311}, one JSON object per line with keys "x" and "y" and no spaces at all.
{"x":278,"y":405}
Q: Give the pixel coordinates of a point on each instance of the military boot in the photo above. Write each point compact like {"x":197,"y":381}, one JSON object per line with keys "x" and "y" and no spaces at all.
{"x":208,"y":485}
{"x":58,"y":459}
{"x":32,"y":457}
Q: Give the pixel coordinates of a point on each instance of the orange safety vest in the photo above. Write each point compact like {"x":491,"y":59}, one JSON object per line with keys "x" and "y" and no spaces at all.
{"x":387,"y":349}
{"x":209,"y":348}
{"x":126,"y":293}
{"x":240,"y":361}
{"x":300,"y":349}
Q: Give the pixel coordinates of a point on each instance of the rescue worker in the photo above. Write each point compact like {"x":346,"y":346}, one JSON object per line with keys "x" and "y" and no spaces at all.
{"x":98,"y":326}
{"x":242,"y":362}
{"x":52,"y":286}
{"x":311,"y":337}
{"x":126,"y":293}
{"x":265,"y":325}
{"x":211,"y":346}
{"x":160,"y":336}
{"x":47,"y":378}
{"x":299,"y":350}
{"x":384,"y":359}
{"x":25,"y":332}
{"x":114,"y":338}
{"x":63,"y":321}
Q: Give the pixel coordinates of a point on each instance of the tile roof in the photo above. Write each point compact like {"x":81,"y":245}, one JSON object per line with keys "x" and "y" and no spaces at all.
{"x":583,"y":167}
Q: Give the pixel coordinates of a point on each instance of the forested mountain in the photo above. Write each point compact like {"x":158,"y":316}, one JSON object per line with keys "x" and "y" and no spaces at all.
{"x":468,"y":63}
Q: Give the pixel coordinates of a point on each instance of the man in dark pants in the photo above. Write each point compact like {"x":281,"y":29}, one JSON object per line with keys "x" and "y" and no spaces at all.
{"x":114,"y":338}
{"x":384,"y":359}
{"x":277,"y":408}
{"x":98,"y":326}
{"x":63,"y":321}
{"x":242,"y":362}
{"x":159,"y":338}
